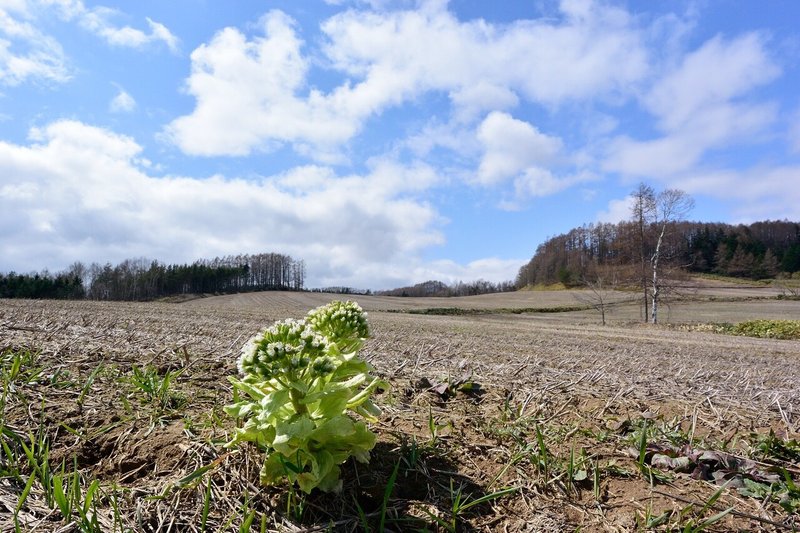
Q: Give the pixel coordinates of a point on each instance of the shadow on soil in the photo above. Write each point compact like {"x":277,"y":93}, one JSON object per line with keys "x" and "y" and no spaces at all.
{"x":425,"y":485}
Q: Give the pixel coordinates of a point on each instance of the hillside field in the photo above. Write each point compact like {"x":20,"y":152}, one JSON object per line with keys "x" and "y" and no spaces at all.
{"x":506,"y":412}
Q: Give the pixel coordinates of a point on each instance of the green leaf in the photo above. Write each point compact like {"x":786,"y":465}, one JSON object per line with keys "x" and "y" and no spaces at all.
{"x":240,"y":409}
{"x":251,"y":390}
{"x":289,"y":436}
{"x":331,"y":482}
{"x":87,"y":503}
{"x":322,"y":464}
{"x":345,"y":436}
{"x":299,"y":386}
{"x":60,"y":497}
{"x":332,"y":404}
{"x":369,"y":411}
{"x":273,"y":470}
{"x":274,"y":402}
{"x":363,"y":396}
{"x":337,"y":428}
{"x":489,"y":497}
{"x":25,"y":492}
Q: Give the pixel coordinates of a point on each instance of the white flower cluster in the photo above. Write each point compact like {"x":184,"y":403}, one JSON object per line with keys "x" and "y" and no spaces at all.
{"x":344,"y":321}
{"x":290,"y":345}
{"x":286,"y":345}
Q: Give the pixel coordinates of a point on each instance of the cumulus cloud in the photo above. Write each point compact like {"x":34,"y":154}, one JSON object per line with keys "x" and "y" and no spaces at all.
{"x":592,"y":49}
{"x":80,"y":192}
{"x":512,"y":146}
{"x":699,"y":106}
{"x":123,"y":102}
{"x":516,"y":151}
{"x":617,"y":211}
{"x":387,"y":58}
{"x":484,"y":96}
{"x":246,"y":92}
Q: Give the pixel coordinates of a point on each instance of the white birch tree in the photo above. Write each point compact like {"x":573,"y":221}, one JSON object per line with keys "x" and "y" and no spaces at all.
{"x":671,"y":205}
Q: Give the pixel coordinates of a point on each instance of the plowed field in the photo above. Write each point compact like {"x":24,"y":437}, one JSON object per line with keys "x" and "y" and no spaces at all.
{"x":573,"y":417}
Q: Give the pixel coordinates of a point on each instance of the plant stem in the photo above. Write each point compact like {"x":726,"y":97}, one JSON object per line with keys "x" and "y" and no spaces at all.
{"x":296,"y":396}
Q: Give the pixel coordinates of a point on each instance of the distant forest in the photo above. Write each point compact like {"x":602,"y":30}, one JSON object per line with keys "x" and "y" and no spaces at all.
{"x":438,"y":288}
{"x":143,"y":279}
{"x":760,"y":250}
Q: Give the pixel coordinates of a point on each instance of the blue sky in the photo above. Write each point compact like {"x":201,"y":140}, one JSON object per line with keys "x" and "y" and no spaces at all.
{"x":383,"y":142}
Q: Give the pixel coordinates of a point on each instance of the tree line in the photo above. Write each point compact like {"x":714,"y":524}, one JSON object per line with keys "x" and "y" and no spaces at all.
{"x":656,"y":246}
{"x":765,"y":249}
{"x":439,"y":288}
{"x":41,"y":285}
{"x":143,"y":279}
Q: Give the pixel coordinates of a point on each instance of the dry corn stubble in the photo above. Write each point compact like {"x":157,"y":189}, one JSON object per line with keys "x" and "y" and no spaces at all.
{"x":576,"y":382}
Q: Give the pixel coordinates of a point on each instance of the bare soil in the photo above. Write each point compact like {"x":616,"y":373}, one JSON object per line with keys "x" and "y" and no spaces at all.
{"x":551,"y":390}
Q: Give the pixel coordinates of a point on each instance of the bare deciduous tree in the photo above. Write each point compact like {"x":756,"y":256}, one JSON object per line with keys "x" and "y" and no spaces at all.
{"x":602,"y":286}
{"x":643,"y":211}
{"x":671,"y":205}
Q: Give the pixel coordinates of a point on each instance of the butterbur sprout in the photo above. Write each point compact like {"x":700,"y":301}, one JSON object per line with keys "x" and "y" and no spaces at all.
{"x":286,"y":344}
{"x":304,"y":391}
{"x":323,"y":366}
{"x":344,"y":321}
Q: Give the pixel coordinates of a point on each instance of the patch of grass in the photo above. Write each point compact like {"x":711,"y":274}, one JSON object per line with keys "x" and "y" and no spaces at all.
{"x":157,"y":389}
{"x":543,"y":287}
{"x":765,"y":329}
{"x":66,"y":491}
{"x":19,"y":366}
{"x":769,"y":329}
{"x":730,"y":279}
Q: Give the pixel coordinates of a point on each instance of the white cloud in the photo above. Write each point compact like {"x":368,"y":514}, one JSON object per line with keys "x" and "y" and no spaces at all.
{"x":714,"y":74}
{"x":25,"y":52}
{"x":159,"y":32}
{"x":484,"y":96}
{"x":701,"y":105}
{"x":452,"y":136}
{"x":617,"y":211}
{"x":82,"y":192}
{"x":490,"y":269}
{"x":516,"y":151}
{"x":259,"y":83}
{"x":246,"y":93}
{"x":98,"y":21}
{"x":584,"y":54}
{"x":757,"y":193}
{"x":537,"y":182}
{"x":123,"y":102}
{"x":512,"y":146}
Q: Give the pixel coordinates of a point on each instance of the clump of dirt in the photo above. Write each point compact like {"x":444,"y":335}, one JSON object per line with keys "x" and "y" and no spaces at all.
{"x":149,"y":453}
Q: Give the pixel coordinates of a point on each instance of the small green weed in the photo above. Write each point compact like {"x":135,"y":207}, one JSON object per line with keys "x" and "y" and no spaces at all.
{"x":772,"y":447}
{"x":157,"y":389}
{"x":460,"y":504}
{"x":62,"y":490}
{"x":18,"y":368}
{"x":698,"y":523}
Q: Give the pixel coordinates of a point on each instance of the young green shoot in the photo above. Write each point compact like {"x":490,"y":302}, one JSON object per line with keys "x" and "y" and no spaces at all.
{"x":301,"y":382}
